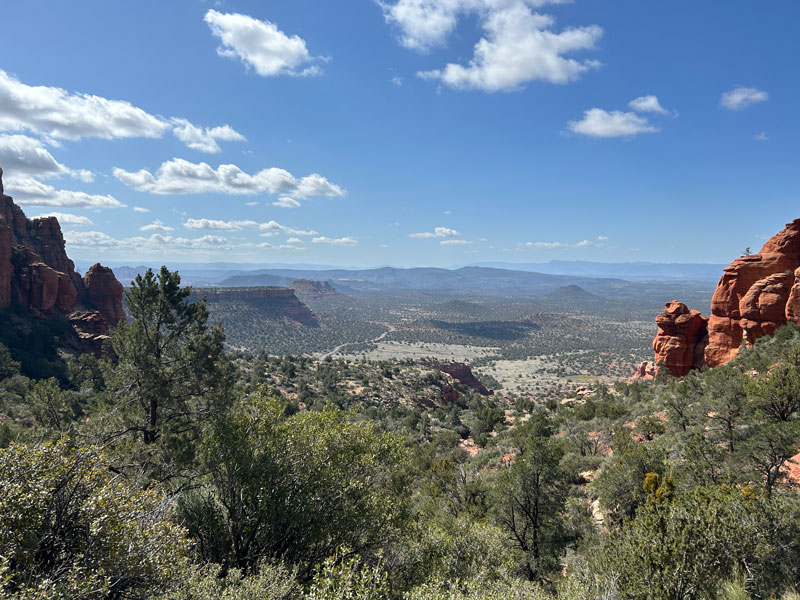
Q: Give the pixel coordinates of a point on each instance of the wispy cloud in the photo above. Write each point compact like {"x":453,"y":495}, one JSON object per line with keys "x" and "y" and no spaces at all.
{"x":741,"y":97}
{"x":342,"y":241}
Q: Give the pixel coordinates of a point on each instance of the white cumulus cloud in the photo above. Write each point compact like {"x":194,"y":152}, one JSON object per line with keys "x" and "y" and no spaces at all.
{"x":438,"y":232}
{"x":179,"y":176}
{"x":273,"y":228}
{"x":741,"y":97}
{"x":23,"y":155}
{"x":648,"y":104}
{"x":454,"y":242}
{"x":597,"y":122}
{"x":342,"y":241}
{"x":286,"y":202}
{"x":217,"y":225}
{"x":205,"y":140}
{"x":55,"y":113}
{"x":261,"y":45}
{"x":29,"y":191}
{"x":67,"y":218}
{"x":157,"y":225}
{"x":155,"y":243}
{"x":518,"y":45}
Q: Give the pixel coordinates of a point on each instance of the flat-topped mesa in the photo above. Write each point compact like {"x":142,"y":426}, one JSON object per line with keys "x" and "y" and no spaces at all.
{"x":681,"y":339}
{"x":309,"y":289}
{"x":36,"y":273}
{"x":756,"y":295}
{"x":273,"y":302}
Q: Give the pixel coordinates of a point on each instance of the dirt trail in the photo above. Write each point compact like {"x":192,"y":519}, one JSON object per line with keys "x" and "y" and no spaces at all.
{"x":390,"y":329}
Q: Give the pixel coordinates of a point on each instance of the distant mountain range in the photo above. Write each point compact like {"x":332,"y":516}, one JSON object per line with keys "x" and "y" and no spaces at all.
{"x":216,"y":272}
{"x":630,"y":271}
{"x":664,"y":280}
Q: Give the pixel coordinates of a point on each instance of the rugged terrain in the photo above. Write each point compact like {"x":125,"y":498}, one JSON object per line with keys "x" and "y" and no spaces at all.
{"x":38,"y":278}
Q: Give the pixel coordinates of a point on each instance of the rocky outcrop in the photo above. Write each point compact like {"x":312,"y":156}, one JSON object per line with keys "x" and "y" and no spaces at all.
{"x":449,"y":393}
{"x":92,"y":329}
{"x":681,"y":339}
{"x":273,"y":303}
{"x":308,"y":289}
{"x":37,"y":274}
{"x":646,"y":371}
{"x":463,"y":374}
{"x":104,"y":292}
{"x":756,"y":295}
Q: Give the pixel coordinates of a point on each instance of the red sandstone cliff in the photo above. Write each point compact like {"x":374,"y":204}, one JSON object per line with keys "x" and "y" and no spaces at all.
{"x":36,"y":273}
{"x":756,"y":295}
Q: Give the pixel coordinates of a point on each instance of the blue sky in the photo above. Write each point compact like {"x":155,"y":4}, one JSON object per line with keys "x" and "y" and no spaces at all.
{"x":408,"y":132}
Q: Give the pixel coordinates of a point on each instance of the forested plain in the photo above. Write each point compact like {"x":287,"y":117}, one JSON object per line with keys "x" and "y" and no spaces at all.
{"x":171,"y":467}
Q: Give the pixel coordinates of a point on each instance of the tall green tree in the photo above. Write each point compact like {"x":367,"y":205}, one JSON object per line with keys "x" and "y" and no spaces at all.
{"x":171,"y":374}
{"x":530,"y":499}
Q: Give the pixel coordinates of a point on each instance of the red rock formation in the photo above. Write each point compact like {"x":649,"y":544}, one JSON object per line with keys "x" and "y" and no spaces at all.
{"x":756,"y":295}
{"x":681,"y":338}
{"x":646,"y":371}
{"x":463,"y":374}
{"x":104,"y":292}
{"x":36,"y":273}
{"x":449,"y":393}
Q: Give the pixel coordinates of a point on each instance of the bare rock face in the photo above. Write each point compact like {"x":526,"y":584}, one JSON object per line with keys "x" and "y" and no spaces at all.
{"x":36,"y":273}
{"x":92,"y":330}
{"x":681,"y":339}
{"x":104,"y":292}
{"x":308,"y":289}
{"x":756,"y":295}
{"x":463,"y":374}
{"x":646,"y":371}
